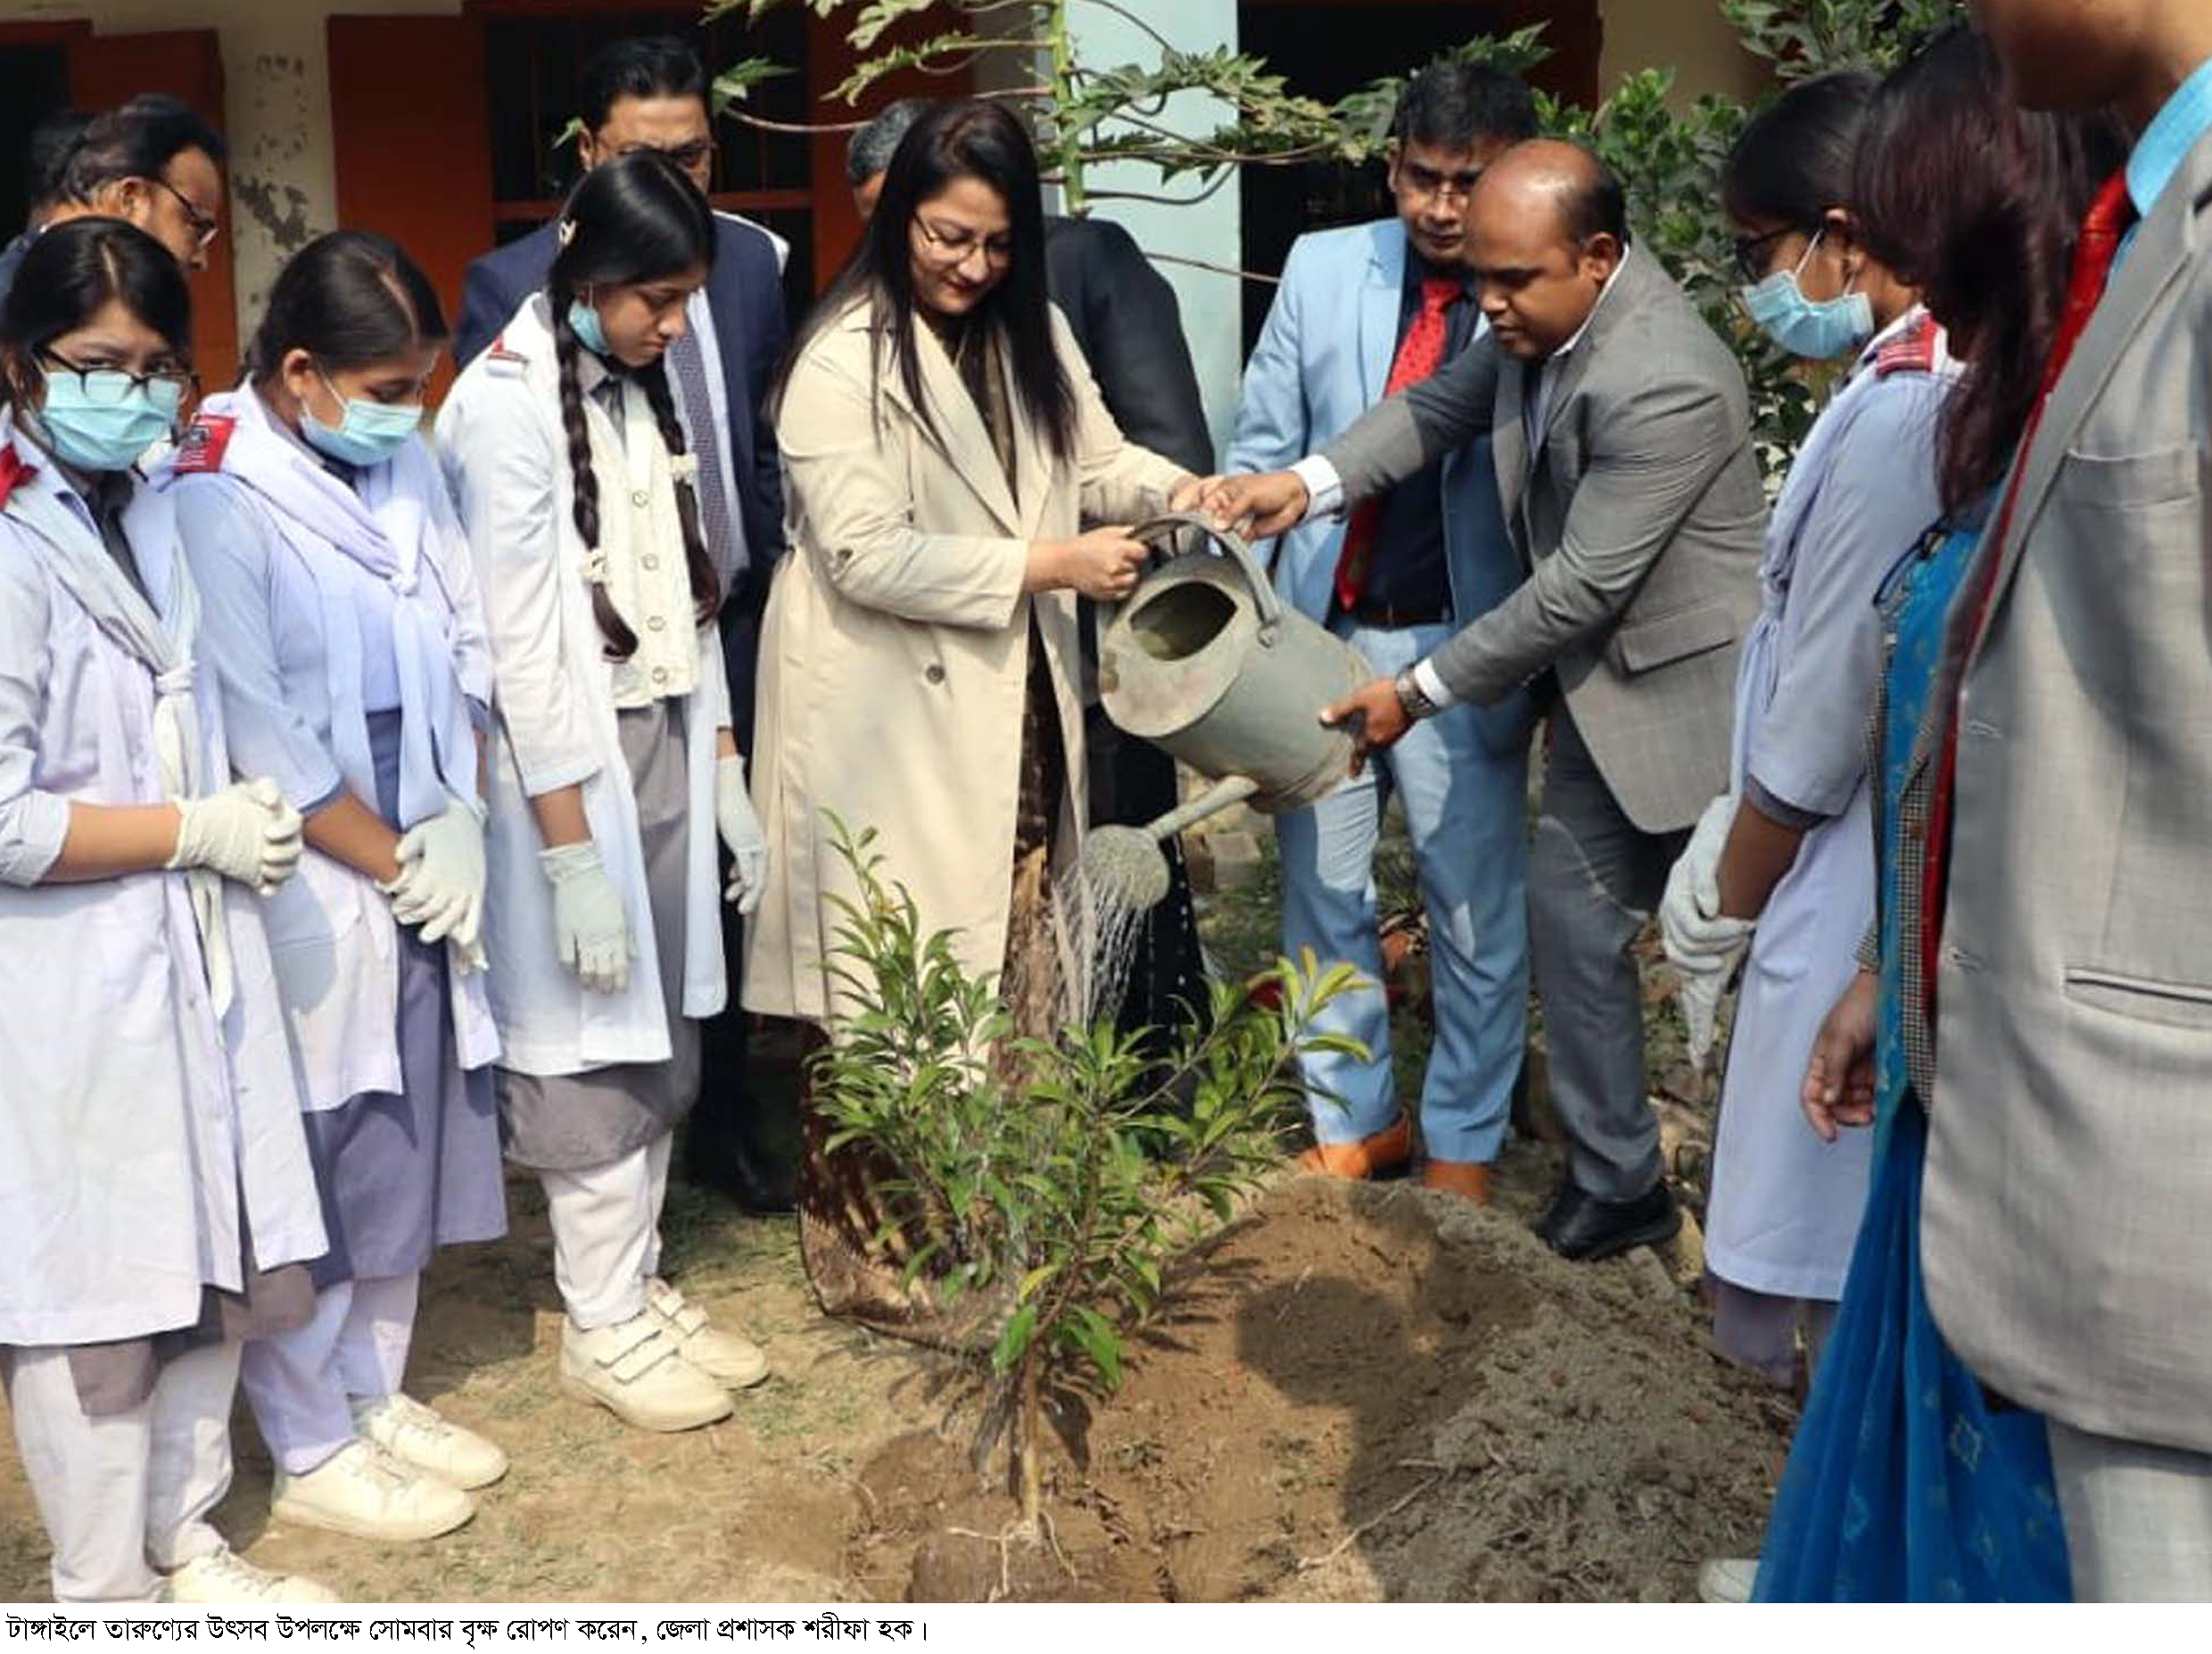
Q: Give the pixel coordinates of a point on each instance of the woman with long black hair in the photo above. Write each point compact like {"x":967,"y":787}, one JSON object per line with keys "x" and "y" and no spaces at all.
{"x":156,"y":1198}
{"x":1907,"y":1481}
{"x":614,"y":768}
{"x":1782,"y":856}
{"x":943,"y":443}
{"x":344,"y":630}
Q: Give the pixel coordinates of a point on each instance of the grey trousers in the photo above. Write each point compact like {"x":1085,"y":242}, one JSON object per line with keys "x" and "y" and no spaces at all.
{"x":1595,"y":878}
{"x":2138,"y":1517}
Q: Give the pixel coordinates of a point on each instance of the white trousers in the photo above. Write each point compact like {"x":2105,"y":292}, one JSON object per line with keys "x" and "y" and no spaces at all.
{"x":2138,"y":1517}
{"x":126,"y":1495}
{"x":300,"y":1384}
{"x":606,"y":1233}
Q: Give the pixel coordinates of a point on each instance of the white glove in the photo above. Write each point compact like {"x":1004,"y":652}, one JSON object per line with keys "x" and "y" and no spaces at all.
{"x":248,"y":832}
{"x":1702,"y":944}
{"x":441,"y":885}
{"x":591,"y":932}
{"x":741,"y":831}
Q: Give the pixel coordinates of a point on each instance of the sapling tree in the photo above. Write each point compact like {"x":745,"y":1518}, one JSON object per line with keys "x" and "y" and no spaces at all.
{"x":1057,"y":1180}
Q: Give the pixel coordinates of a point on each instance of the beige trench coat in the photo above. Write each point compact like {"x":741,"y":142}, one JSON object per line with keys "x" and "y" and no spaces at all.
{"x":895,"y":646}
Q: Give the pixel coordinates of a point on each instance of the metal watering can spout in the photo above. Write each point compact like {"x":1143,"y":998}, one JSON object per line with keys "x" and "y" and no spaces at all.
{"x":1204,"y":660}
{"x":1124,"y":864}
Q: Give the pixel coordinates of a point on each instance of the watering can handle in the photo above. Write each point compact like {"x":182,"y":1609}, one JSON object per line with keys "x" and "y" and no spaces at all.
{"x":1265,"y":601}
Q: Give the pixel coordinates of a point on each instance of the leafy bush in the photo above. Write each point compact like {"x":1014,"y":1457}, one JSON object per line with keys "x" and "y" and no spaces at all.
{"x":1061,"y":1177}
{"x":1086,"y":113}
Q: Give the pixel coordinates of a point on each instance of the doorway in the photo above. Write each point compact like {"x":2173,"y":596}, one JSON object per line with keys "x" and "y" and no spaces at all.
{"x":1329,"y":49}
{"x":34,"y":83}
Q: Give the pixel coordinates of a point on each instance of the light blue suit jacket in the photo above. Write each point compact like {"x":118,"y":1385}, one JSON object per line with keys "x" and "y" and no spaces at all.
{"x":1323,"y":361}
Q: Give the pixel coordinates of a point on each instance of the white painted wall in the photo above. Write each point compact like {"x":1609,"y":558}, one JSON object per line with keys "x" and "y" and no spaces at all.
{"x":285,"y":192}
{"x":1691,"y":36}
{"x":277,"y":83}
{"x":1212,"y":303}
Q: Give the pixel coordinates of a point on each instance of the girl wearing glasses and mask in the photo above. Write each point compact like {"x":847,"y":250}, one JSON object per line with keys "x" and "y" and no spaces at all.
{"x":943,"y":443}
{"x":1781,"y":861}
{"x":615,"y":771}
{"x":344,"y":626}
{"x":156,"y":1198}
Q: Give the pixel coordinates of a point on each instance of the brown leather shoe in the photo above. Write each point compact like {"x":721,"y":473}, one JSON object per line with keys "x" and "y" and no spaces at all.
{"x":1370,"y":1157}
{"x":1467,"y":1180}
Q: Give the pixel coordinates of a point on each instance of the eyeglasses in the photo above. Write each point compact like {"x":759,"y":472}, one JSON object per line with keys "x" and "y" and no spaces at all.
{"x":1751,"y":252}
{"x":104,"y":382}
{"x":203,"y":226}
{"x":688,"y":156}
{"x":1424,"y":185}
{"x":954,"y":248}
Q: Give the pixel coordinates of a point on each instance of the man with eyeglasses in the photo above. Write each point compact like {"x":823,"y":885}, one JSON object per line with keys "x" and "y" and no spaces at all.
{"x":1621,"y":436}
{"x":1363,"y":311}
{"x":1126,"y":320}
{"x":651,"y":93}
{"x":151,"y":162}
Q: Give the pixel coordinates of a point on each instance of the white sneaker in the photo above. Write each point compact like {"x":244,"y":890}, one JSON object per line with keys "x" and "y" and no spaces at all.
{"x":225,"y":1576}
{"x":365,"y":1491}
{"x":1727,"y":1579}
{"x":725,"y":1357}
{"x":429,"y":1441}
{"x":635,"y":1371}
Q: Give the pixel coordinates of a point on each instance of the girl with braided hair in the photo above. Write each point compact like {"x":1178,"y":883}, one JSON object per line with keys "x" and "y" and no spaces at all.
{"x":613,"y":769}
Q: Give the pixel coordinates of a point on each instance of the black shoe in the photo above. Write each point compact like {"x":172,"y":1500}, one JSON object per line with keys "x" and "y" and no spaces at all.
{"x":1589,"y":1228}
{"x":1565,"y":1199}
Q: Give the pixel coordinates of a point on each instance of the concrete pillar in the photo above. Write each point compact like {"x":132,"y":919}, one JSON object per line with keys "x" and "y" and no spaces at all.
{"x":1689,"y":37}
{"x":1212,"y":303}
{"x":284,"y":189}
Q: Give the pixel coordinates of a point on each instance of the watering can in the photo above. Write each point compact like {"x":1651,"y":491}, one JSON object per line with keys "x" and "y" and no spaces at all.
{"x":1203,"y":660}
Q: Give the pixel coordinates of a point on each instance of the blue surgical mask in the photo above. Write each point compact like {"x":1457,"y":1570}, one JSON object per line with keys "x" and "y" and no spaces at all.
{"x":583,"y":321}
{"x":369,"y":434}
{"x":1817,"y":332}
{"x":101,"y":421}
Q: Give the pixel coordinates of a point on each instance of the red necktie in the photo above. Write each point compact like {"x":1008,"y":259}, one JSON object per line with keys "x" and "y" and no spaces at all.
{"x":1420,"y":353}
{"x":2109,"y":218}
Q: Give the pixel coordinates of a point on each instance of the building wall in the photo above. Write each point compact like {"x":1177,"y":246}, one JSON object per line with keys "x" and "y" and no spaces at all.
{"x":283,"y":185}
{"x":1691,"y":35}
{"x":1211,"y":302}
{"x":283,"y":182}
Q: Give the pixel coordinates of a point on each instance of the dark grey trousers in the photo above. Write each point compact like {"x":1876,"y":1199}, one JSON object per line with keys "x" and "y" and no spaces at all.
{"x":1595,"y":878}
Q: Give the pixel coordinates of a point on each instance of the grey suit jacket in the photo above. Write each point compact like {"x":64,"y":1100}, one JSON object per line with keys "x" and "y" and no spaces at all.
{"x":1639,"y":517}
{"x":2069,"y":1170}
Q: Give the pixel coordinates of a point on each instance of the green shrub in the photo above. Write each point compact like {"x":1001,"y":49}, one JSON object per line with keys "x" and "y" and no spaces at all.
{"x":1063,"y":1178}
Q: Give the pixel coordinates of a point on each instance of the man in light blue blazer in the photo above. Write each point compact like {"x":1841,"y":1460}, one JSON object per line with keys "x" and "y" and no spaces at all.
{"x":1362,"y":312}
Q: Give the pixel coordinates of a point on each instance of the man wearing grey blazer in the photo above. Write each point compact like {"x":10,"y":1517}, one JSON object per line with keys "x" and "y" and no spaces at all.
{"x":2070,"y":1161}
{"x":1621,"y":436}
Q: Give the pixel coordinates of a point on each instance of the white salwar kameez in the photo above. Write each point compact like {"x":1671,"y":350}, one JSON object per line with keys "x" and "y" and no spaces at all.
{"x":148,"y":1130}
{"x":1785,"y":1206}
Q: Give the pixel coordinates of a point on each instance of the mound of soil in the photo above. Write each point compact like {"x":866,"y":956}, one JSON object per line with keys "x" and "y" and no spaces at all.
{"x":1366,"y":1392}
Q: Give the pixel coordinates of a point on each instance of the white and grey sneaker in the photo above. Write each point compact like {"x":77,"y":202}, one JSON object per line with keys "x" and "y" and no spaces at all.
{"x":637,"y":1371}
{"x":727,"y":1358}
{"x":427,"y":1439}
{"x":365,"y":1491}
{"x":1727,"y":1579}
{"x":225,"y":1576}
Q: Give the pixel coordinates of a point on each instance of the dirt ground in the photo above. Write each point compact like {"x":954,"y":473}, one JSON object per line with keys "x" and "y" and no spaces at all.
{"x":1366,"y":1393}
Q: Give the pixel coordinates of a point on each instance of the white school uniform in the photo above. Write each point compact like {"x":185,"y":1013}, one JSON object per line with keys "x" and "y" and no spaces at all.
{"x":149,"y":1098}
{"x":135,"y":1124}
{"x":335,"y":942}
{"x":1785,"y":1206}
{"x":500,"y":439}
{"x":342,"y":624}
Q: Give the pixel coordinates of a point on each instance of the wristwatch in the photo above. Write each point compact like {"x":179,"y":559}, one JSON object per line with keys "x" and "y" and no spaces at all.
{"x":1413,"y":697}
